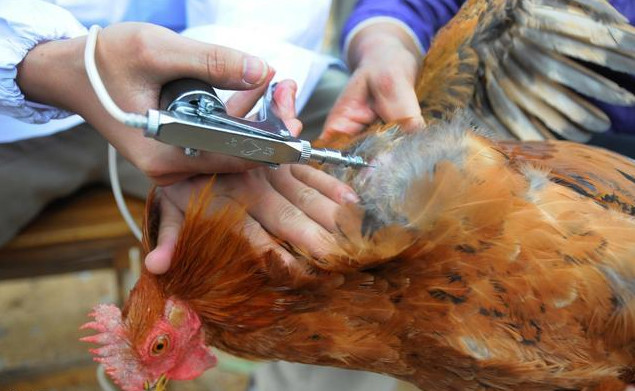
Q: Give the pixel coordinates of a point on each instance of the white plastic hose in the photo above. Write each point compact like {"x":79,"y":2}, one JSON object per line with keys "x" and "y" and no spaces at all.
{"x":129,"y":119}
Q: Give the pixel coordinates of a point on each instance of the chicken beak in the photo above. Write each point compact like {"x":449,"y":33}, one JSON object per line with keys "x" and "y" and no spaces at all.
{"x":160,"y":384}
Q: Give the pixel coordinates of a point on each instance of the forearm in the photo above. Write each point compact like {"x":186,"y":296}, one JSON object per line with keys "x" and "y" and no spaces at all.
{"x":53,"y":73}
{"x":25,"y":24}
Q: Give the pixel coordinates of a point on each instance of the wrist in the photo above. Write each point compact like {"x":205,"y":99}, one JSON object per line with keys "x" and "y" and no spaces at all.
{"x":25,"y":25}
{"x":53,"y":73}
{"x":375,"y":38}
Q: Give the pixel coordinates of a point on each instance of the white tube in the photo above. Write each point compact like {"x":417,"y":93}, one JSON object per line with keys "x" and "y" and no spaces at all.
{"x":116,"y":191}
{"x":130,"y":119}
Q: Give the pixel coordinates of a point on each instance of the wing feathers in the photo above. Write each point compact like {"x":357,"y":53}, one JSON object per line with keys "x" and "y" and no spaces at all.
{"x":509,"y":103}
{"x":569,"y":104}
{"x":578,"y":49}
{"x":534,"y":106}
{"x":528,"y":77}
{"x":569,"y":73}
{"x":603,"y":9}
{"x":571,"y":21}
{"x":508,"y":113}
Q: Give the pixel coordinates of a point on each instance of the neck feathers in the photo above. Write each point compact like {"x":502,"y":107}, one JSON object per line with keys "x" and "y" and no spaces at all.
{"x":217,"y":271}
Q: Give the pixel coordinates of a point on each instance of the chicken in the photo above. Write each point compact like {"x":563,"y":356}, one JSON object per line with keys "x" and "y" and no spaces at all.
{"x":470,"y":264}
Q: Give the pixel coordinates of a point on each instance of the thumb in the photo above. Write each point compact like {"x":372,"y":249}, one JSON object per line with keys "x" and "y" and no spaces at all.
{"x":284,"y":105}
{"x":220,"y":66}
{"x":159,"y":259}
{"x":352,"y":112}
{"x":400,"y":103}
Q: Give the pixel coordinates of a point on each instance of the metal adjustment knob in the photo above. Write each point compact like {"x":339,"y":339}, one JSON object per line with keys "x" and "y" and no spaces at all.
{"x":305,"y":154}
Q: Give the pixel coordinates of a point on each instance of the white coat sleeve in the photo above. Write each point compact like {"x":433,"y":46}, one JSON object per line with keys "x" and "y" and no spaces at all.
{"x":23,"y":25}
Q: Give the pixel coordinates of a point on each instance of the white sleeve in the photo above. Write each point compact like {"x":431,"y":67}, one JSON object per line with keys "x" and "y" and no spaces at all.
{"x":379,"y":19}
{"x":23,"y":25}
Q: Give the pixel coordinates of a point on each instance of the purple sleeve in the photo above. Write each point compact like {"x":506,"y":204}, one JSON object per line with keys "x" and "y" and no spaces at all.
{"x":424,"y":17}
{"x":626,"y":8}
{"x":622,"y":118}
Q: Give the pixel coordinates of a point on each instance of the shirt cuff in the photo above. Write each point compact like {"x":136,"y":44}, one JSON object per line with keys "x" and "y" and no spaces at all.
{"x":379,"y":19}
{"x":23,"y":25}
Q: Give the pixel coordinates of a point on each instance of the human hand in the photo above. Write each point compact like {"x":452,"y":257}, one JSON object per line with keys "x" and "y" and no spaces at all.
{"x":295,"y":203}
{"x":135,"y":60}
{"x":385,"y":60}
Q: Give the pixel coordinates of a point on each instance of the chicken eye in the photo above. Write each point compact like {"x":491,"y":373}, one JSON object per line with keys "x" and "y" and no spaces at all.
{"x":160,"y":345}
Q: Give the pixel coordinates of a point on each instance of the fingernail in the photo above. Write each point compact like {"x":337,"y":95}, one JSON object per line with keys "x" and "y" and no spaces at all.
{"x":255,"y":70}
{"x":350,"y":198}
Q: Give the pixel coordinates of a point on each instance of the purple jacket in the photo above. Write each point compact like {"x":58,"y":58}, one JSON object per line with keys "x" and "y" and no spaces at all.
{"x":425,"y":17}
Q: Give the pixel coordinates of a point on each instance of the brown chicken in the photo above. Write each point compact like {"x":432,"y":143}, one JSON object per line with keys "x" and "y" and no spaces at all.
{"x":470,"y":264}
